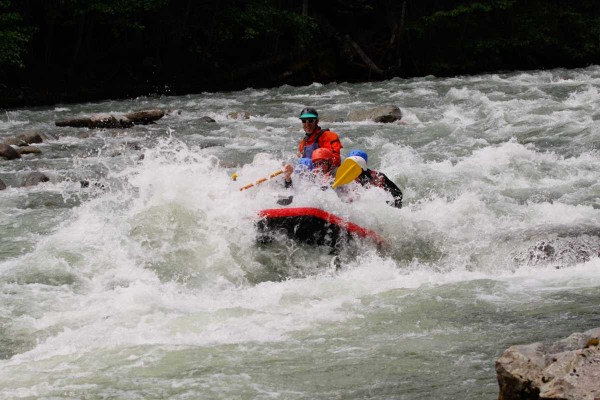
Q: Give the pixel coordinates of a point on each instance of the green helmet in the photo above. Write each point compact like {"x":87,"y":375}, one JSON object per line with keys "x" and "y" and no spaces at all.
{"x":309,"y":112}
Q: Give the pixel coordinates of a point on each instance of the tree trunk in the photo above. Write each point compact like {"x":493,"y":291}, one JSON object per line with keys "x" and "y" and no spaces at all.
{"x":364,"y":57}
{"x":76,"y":49}
{"x":400,"y":31}
{"x":347,"y":42}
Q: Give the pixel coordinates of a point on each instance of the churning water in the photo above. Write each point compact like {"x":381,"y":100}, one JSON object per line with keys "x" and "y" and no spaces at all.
{"x":149,"y":283}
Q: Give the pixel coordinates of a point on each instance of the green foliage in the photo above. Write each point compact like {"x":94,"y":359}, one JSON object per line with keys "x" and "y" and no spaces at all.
{"x":120,"y":16}
{"x":113,"y":7}
{"x":469,"y":10}
{"x":471,"y":36}
{"x":242,"y":42}
{"x":260,"y":19}
{"x":14,"y":37}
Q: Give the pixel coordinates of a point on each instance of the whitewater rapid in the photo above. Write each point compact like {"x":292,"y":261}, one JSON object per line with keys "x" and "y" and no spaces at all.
{"x":149,"y":283}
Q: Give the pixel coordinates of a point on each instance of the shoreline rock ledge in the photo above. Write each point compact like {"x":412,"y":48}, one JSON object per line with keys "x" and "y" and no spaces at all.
{"x":567,"y":369}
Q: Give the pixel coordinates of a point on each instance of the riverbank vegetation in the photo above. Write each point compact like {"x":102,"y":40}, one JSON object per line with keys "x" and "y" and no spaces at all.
{"x":76,"y":50}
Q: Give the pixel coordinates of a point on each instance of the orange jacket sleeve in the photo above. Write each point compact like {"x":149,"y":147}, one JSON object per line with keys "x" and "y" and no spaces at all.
{"x":331,"y":141}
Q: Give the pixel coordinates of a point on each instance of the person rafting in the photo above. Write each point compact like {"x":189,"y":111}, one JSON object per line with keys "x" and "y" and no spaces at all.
{"x":321,"y":164}
{"x":317,"y":137}
{"x":371,"y":178}
{"x":302,"y":169}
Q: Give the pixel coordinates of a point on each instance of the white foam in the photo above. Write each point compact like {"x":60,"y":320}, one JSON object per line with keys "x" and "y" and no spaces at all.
{"x":166,"y":255}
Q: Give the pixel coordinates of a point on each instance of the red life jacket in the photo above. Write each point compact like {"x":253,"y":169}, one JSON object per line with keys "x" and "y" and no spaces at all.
{"x":321,"y":138}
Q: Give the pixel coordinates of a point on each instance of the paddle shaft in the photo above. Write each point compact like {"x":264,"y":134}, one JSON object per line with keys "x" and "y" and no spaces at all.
{"x":261,"y":180}
{"x":346,"y":173}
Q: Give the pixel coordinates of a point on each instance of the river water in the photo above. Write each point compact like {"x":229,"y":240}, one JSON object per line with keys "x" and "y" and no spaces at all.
{"x":149,"y":283}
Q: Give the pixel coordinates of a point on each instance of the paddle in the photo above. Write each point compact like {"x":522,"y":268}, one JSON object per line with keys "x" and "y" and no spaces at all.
{"x":347,"y":172}
{"x":261,"y":180}
{"x":285,"y":201}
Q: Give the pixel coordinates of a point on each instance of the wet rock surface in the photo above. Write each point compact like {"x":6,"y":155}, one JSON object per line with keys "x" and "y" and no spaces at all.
{"x":561,"y":251}
{"x":35,"y":178}
{"x":8,"y":152}
{"x":566,"y":369}
{"x":111,"y":121}
{"x":29,"y":150}
{"x":385,"y":114}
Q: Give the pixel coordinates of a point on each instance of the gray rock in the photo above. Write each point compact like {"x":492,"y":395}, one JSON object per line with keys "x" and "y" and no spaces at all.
{"x":49,"y":136}
{"x":30,"y":137}
{"x":567,"y":369}
{"x":34,"y":178}
{"x":114,"y":121}
{"x":97,"y":121}
{"x":329,"y":118}
{"x":238,"y":115}
{"x":109,"y":121}
{"x":25,"y":138}
{"x":2,"y":185}
{"x":14,"y":141}
{"x":29,"y":150}
{"x":561,"y":251}
{"x":145,"y":117}
{"x":207,"y":119}
{"x":384,"y":114}
{"x":87,"y":184}
{"x":8,"y":152}
{"x":75,"y":123}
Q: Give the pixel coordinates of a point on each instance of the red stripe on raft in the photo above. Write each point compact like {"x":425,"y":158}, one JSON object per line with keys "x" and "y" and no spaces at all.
{"x":324,"y":215}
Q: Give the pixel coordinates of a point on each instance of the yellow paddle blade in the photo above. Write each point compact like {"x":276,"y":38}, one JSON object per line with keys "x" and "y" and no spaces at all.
{"x":346,"y":173}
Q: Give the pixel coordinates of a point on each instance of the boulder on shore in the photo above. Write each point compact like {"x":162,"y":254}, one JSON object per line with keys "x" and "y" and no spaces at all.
{"x":567,"y":369}
{"x":8,"y":152}
{"x":384,"y":114}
